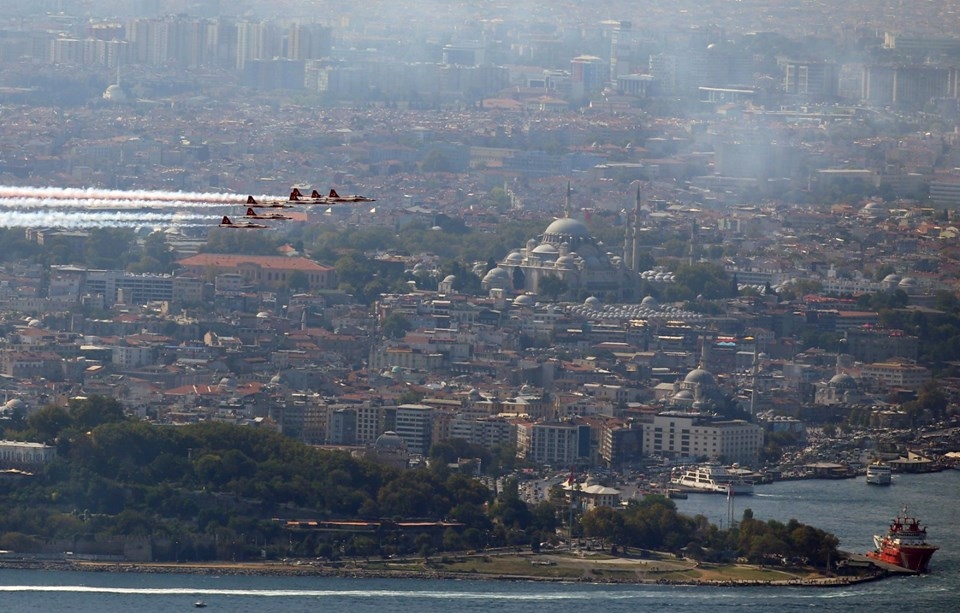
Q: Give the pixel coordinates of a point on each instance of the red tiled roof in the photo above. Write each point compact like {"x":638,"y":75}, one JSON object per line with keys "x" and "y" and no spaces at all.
{"x":277,"y":262}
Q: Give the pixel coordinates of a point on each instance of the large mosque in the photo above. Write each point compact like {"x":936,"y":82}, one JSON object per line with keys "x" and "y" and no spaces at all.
{"x":567,"y":252}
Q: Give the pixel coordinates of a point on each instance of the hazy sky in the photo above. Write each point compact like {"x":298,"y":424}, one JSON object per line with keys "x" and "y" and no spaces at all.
{"x":934,"y":17}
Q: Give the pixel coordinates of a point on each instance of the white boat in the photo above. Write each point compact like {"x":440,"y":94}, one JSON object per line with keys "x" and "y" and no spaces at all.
{"x":879,"y":473}
{"x":711,"y":478}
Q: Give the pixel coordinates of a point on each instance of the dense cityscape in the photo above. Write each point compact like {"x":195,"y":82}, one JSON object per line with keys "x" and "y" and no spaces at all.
{"x":603,"y":241}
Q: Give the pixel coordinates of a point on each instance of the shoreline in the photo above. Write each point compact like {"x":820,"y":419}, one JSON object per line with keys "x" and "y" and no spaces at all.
{"x":281,"y":569}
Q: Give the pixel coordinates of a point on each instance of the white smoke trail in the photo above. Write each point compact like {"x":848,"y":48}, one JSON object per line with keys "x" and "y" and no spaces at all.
{"x":103,"y":203}
{"x":76,"y":208}
{"x":62,"y":193}
{"x":108,"y":219}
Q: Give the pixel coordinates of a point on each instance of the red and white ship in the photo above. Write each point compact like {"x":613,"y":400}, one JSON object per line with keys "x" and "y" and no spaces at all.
{"x":905,"y":544}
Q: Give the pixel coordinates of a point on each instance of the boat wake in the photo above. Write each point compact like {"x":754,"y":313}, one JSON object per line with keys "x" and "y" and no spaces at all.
{"x":680,"y":592}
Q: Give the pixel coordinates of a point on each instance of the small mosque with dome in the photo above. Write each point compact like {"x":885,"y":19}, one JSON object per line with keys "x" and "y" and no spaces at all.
{"x":390,"y":449}
{"x":699,"y":391}
{"x":840,"y":389}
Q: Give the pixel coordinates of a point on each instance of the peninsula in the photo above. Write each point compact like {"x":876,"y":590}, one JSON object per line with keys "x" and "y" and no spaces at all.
{"x":593,"y":567}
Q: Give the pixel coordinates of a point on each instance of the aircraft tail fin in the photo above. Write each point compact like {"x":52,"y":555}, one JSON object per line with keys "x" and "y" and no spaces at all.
{"x":316,"y":195}
{"x":295,"y":194}
{"x":333,"y":194}
{"x":251,"y":212}
{"x":226,"y":221}
{"x":251,"y":200}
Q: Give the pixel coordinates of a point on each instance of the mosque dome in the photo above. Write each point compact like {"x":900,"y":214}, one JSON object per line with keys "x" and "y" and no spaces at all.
{"x":497,"y":278}
{"x":699,"y":376}
{"x":592,"y":262}
{"x":593,"y":302}
{"x":14,"y":404}
{"x":843,"y":381}
{"x":390,"y":440}
{"x":114,"y":93}
{"x":565,"y":230}
{"x":524,"y":300}
{"x":546,"y":249}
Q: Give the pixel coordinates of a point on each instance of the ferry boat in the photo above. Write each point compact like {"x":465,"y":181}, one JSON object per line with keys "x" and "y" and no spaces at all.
{"x":879,"y":473}
{"x":713,"y":479}
{"x":905,"y":544}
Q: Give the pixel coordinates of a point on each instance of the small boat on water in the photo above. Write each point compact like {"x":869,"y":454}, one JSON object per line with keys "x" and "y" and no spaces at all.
{"x":879,"y":473}
{"x":199,"y":604}
{"x":905,"y":544}
{"x":711,"y":478}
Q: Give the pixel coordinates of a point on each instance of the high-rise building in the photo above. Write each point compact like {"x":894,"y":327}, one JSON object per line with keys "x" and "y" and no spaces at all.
{"x":909,"y":87}
{"x":308,"y":41}
{"x":464,"y":54}
{"x":663,"y":69}
{"x":341,"y":426}
{"x":588,"y":74}
{"x":255,"y":41}
{"x":814,"y":80}
{"x":692,"y":435}
{"x":620,"y":49}
{"x":415,"y":426}
{"x":561,"y":443}
{"x":921,"y":46}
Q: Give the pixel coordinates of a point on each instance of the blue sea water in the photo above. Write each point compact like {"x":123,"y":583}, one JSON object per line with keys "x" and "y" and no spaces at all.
{"x":849,"y":508}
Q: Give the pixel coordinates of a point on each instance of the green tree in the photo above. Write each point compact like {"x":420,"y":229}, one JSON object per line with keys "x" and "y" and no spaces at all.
{"x":246,"y":242}
{"x":604,"y":523}
{"x":157,"y":255}
{"x":353,"y":270}
{"x":109,"y":248}
{"x":298,"y":281}
{"x":16,"y":246}
{"x":48,"y":422}
{"x":498,"y":199}
{"x":395,"y":326}
{"x":437,"y":161}
{"x":704,"y":279}
{"x":552,"y":287}
{"x":881,"y":272}
{"x":95,"y":410}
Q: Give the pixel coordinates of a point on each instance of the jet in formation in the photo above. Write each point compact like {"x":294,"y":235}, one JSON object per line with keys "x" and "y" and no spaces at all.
{"x":272,"y":204}
{"x":332,"y":198}
{"x":296,"y":198}
{"x":243,"y":225}
{"x":251,"y":214}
